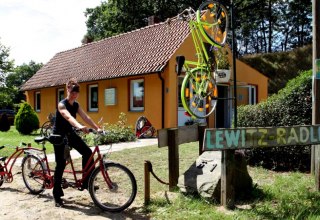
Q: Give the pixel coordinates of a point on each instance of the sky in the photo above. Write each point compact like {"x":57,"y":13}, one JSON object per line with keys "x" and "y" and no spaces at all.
{"x":38,"y":29}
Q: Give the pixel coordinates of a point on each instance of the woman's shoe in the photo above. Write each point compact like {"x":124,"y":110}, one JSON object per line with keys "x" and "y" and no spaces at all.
{"x":59,"y":202}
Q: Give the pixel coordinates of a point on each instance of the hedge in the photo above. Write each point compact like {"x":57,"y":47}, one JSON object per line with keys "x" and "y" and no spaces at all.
{"x":292,"y":105}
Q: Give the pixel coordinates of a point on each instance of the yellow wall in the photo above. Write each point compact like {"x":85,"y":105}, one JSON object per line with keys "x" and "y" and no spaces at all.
{"x":250,"y":76}
{"x":110,"y":114}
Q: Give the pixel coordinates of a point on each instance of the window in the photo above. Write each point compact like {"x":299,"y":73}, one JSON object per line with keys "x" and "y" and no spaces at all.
{"x":137,"y":95}
{"x":60,"y":95}
{"x":37,"y":104}
{"x":93,"y":98}
{"x":247,"y":95}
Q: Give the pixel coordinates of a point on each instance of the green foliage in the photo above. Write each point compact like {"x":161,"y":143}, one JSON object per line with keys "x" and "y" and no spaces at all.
{"x":18,"y":76}
{"x":119,"y":132}
{"x":119,"y":16}
{"x":26,"y":120}
{"x":5,"y":63}
{"x":291,"y":106}
{"x":4,"y":122}
{"x":280,"y":67}
{"x":222,"y":58}
{"x":261,"y":25}
{"x":6,"y":98}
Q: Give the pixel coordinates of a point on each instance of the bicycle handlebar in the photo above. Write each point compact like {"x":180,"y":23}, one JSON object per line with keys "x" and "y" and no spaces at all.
{"x":91,"y":130}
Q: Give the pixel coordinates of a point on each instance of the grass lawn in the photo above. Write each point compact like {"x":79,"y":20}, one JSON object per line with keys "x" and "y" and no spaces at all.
{"x":289,"y":195}
{"x":12,"y":139}
{"x":286,"y":195}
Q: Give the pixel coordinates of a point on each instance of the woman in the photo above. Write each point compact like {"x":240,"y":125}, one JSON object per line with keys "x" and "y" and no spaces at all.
{"x":64,"y":125}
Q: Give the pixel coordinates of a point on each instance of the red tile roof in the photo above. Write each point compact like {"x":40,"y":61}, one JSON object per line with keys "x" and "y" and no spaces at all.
{"x":145,"y":50}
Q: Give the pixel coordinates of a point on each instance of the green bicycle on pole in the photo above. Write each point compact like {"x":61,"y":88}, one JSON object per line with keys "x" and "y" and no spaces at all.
{"x":208,"y":27}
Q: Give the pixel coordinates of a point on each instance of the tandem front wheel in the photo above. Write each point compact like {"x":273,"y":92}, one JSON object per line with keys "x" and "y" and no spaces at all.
{"x":113,"y":188}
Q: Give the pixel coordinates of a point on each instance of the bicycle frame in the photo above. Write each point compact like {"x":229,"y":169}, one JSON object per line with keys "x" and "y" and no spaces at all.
{"x":6,"y":168}
{"x":87,"y":169}
{"x":201,"y":50}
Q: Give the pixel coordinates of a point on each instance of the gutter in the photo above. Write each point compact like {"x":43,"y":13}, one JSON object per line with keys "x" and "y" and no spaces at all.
{"x":162,"y":98}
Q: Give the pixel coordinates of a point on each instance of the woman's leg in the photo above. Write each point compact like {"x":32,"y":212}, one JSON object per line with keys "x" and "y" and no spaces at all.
{"x":58,"y":173}
{"x":77,"y":143}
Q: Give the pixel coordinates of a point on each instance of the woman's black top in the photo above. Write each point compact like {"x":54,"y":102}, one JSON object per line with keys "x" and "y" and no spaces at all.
{"x":61,"y":125}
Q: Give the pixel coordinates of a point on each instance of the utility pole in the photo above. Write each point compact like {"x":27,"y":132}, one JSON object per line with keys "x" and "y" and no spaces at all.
{"x":315,"y":151}
{"x":227,"y":156}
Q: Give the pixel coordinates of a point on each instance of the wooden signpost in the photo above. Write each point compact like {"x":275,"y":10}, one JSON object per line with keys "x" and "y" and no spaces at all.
{"x":241,"y":138}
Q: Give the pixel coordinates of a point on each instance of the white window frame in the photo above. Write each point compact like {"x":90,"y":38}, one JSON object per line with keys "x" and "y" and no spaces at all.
{"x":93,"y":109}
{"x":58,"y":95}
{"x":132,"y":91}
{"x":37,"y":102}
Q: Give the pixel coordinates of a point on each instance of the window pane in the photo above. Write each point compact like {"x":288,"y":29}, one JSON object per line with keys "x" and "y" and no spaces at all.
{"x":137,"y":95}
{"x":38,"y":103}
{"x":60,"y":95}
{"x":94,"y":97}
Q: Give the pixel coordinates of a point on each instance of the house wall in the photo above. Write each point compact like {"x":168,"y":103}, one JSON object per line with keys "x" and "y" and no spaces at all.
{"x":250,"y":76}
{"x":110,"y":114}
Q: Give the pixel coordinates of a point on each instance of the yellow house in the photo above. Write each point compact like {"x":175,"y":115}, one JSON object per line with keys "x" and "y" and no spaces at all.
{"x":135,"y":73}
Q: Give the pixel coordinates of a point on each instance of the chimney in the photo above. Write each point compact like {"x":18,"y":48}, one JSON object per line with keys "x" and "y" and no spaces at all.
{"x":151,"y":20}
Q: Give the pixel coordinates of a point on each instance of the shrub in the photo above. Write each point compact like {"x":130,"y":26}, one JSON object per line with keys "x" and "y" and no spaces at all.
{"x":290,"y":106}
{"x":26,"y":120}
{"x":119,"y":132}
{"x":4,"y":122}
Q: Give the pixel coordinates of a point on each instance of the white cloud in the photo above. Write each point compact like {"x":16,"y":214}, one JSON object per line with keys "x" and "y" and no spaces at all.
{"x":38,"y":29}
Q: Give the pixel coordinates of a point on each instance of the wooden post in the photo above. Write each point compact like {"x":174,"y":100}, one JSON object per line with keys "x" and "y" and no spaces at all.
{"x":227,"y":186}
{"x":146,"y":182}
{"x":315,"y":150}
{"x":201,"y":130}
{"x":173,"y":155}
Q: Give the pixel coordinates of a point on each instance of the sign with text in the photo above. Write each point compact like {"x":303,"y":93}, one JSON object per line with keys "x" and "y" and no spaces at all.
{"x":317,"y":68}
{"x":240,"y":138}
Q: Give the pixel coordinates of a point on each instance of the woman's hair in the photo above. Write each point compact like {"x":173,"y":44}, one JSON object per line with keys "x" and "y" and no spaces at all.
{"x":73,"y":85}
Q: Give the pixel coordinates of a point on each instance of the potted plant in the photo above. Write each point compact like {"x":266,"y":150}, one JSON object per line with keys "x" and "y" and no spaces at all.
{"x":223,"y":65}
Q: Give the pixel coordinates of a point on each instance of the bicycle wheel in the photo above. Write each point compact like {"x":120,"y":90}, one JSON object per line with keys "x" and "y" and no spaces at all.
{"x":147,"y":131}
{"x":213,"y":21}
{"x":44,"y":128}
{"x":1,"y":176}
{"x":48,"y":131}
{"x":33,"y":174}
{"x":199,"y":93}
{"x":122,"y":191}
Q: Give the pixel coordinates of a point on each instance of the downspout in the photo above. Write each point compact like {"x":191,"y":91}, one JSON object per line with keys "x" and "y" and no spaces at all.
{"x":162,"y":98}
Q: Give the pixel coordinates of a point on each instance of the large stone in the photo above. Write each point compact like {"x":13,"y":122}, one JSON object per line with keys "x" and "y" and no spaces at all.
{"x":204,"y":176}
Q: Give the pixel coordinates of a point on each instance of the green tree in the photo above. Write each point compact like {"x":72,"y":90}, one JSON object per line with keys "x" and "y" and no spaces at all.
{"x":118,"y":16}
{"x":261,"y":25}
{"x":18,"y":76}
{"x":5,"y":63}
{"x":6,"y":66}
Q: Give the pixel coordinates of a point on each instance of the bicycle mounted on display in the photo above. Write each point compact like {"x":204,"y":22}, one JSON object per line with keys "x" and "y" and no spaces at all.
{"x":7,"y":163}
{"x":112,"y":186}
{"x":199,"y":89}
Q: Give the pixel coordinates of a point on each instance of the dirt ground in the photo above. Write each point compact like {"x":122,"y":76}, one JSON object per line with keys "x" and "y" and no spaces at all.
{"x":17,"y":203}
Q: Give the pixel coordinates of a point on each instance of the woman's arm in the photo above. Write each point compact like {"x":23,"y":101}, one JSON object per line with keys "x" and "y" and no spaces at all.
{"x":87,"y":119}
{"x":66,"y":114}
